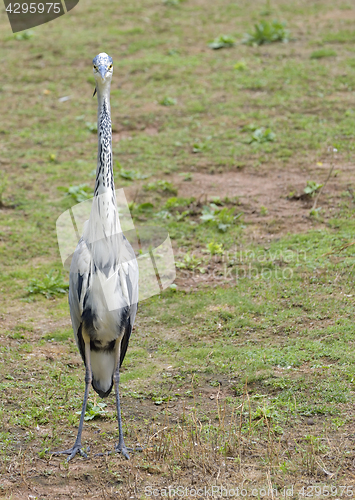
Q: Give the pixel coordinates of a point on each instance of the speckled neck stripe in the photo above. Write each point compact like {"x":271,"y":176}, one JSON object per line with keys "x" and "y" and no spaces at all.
{"x":104,"y":175}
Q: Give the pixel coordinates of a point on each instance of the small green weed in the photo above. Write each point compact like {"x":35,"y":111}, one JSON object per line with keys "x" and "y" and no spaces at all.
{"x":312,"y":188}
{"x":199,"y":146}
{"x":168,"y":101}
{"x":263,"y":210}
{"x":240,"y":65}
{"x":217,"y":200}
{"x":319,"y":54}
{"x":187,"y":176}
{"x":215,"y":248}
{"x":52,"y":285}
{"x":163,"y":214}
{"x":261,"y":135}
{"x":137,"y":209}
{"x":190,"y":262}
{"x":267,"y":32}
{"x":315,"y":212}
{"x":285,"y":467}
{"x":221,"y":42}
{"x":131,"y":175}
{"x":78,"y":193}
{"x":145,"y":207}
{"x":223,"y":218}
{"x":94,"y":411}
{"x":24,"y":35}
{"x":176,"y":202}
{"x":263,"y":414}
{"x":249,"y":128}
{"x":338,"y":422}
{"x":161,"y":185}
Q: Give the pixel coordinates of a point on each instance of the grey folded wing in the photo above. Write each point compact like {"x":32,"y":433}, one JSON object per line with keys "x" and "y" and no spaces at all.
{"x":79,"y":282}
{"x":125,"y":291}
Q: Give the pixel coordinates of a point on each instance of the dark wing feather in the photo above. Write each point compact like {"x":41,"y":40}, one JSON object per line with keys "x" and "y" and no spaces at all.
{"x":78,"y":283}
{"x":132,"y":288}
{"x":125,"y":341}
{"x":127,"y":332}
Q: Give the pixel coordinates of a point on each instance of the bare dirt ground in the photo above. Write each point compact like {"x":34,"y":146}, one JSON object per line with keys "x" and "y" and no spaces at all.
{"x":281,"y":192}
{"x":272,"y":200}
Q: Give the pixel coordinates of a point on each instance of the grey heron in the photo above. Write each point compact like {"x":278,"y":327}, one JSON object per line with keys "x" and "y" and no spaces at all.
{"x":103,"y":282}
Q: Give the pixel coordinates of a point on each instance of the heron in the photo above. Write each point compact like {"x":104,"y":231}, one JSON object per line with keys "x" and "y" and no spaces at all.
{"x":103,"y":280}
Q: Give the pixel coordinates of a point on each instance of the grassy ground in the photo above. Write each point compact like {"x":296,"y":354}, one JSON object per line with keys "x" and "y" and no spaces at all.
{"x":243,"y":375}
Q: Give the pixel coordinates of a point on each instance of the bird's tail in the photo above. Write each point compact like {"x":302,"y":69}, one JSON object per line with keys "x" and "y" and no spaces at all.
{"x":101,"y":393}
{"x":103,"y":367}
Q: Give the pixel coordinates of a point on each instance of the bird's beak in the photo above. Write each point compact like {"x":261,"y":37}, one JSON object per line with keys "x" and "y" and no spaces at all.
{"x":102,"y":71}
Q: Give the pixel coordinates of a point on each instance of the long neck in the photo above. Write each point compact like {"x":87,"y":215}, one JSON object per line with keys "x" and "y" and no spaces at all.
{"x":104,"y":171}
{"x":104,"y":220}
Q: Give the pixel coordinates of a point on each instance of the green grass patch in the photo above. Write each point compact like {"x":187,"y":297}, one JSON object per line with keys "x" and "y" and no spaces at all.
{"x":321,"y":53}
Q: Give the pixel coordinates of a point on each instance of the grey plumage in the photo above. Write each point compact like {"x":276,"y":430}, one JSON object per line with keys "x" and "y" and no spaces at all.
{"x":103,"y":282}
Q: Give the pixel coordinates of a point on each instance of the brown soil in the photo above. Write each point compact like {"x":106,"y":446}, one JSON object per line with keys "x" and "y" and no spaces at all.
{"x":280,"y":192}
{"x":272,"y":201}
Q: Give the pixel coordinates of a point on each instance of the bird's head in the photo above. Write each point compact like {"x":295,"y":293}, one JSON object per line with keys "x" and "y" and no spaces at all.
{"x":102,"y":68}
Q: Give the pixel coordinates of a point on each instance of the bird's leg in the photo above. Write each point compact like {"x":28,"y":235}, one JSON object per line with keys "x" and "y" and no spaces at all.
{"x":120,"y":447}
{"x":88,"y":377}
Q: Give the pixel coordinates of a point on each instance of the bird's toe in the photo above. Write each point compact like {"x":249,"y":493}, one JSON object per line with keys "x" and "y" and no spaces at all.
{"x":123,"y":450}
{"x":71,"y":452}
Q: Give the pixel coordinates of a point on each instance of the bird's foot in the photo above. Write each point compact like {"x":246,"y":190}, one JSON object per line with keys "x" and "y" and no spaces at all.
{"x":71,"y":452}
{"x":121,"y":448}
{"x":124,"y":450}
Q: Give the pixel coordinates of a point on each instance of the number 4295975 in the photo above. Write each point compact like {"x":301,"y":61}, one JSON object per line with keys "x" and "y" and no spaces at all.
{"x":34,"y":8}
{"x":326,"y":491}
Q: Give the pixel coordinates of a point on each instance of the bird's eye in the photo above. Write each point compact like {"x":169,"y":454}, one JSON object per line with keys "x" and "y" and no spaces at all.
{"x":110,"y":67}
{"x":95,"y":67}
